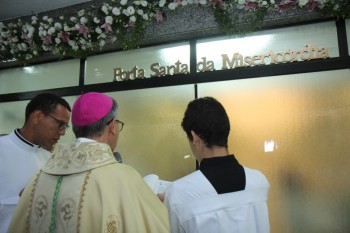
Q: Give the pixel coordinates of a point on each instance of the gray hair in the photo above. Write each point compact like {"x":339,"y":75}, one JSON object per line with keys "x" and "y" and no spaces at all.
{"x":96,"y":129}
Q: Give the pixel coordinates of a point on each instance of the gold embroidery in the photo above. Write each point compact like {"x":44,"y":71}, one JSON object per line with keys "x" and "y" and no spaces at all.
{"x":112,"y":224}
{"x":28,"y":218}
{"x":81,"y":199}
{"x":40,"y":207}
{"x":67,"y":210}
{"x":79,"y":157}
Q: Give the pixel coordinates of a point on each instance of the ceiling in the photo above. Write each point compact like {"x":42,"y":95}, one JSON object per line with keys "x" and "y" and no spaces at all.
{"x":15,"y":8}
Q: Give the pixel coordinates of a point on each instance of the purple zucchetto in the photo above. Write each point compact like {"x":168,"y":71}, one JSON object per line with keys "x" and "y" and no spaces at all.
{"x":90,"y":108}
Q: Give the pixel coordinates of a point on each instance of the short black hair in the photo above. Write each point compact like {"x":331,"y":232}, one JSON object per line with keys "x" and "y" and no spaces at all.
{"x":208,"y":119}
{"x":45,"y":102}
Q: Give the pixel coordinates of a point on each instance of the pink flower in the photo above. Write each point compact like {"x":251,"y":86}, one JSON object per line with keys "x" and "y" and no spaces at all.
{"x":107,"y":27}
{"x":64,"y":36}
{"x":159,"y":17}
{"x":312,"y":4}
{"x":218,"y":3}
{"x":285,"y":5}
{"x":251,"y":6}
{"x":47,"y":40}
{"x":84,"y":30}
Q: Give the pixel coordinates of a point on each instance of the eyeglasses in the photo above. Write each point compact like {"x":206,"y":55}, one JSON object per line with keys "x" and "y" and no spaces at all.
{"x":118,"y":121}
{"x":61,"y":124}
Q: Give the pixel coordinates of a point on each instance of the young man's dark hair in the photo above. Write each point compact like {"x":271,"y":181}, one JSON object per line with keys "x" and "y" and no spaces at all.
{"x":208,"y":119}
{"x":45,"y":102}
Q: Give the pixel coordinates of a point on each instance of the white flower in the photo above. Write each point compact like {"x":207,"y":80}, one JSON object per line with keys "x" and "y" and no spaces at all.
{"x":103,"y":35}
{"x":75,"y":47}
{"x":190,"y":1}
{"x":130,"y":10}
{"x":71,"y":42}
{"x":172,"y":6}
{"x":73,"y":19}
{"x":132,"y":19}
{"x":303,"y":2}
{"x":57,"y":40}
{"x":58,"y":25}
{"x":50,"y":20}
{"x":137,"y":3}
{"x":162,"y":3}
{"x":23,"y":47}
{"x":51,"y":30}
{"x":98,"y":30}
{"x":96,"y":20}
{"x":144,"y":3}
{"x":83,"y":20}
{"x":203,"y":2}
{"x":116,"y":11}
{"x":34,"y":18}
{"x":44,"y":33}
{"x":145,"y":16}
{"x":61,"y":17}
{"x":184,"y":3}
{"x":123,"y":2}
{"x":109,"y":19}
{"x":125,"y":12}
{"x":105,"y":9}
{"x":66,"y":28}
{"x":101,"y":43}
{"x":45,"y":18}
{"x":82,"y":41}
{"x":35,"y":52}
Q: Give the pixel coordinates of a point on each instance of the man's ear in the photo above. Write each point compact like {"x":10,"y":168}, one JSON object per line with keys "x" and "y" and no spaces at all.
{"x":36,"y":116}
{"x":196,"y":138}
{"x":112,"y":128}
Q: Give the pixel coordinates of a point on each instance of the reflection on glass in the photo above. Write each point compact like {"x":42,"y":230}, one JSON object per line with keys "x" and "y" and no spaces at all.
{"x":304,"y":122}
{"x":283,"y":40}
{"x":39,"y":77}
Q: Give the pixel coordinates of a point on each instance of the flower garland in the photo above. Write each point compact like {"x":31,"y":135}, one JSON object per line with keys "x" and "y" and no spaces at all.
{"x":124,"y":22}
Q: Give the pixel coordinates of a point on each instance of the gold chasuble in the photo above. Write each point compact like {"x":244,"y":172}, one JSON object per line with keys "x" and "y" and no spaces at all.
{"x":82,"y":188}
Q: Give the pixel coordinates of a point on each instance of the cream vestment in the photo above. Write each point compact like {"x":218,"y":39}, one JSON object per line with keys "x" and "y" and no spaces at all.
{"x":82,"y":188}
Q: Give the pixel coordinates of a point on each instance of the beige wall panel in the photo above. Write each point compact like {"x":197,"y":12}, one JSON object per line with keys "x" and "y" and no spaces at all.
{"x":152,"y":140}
{"x":40,"y":77}
{"x":295,"y":129}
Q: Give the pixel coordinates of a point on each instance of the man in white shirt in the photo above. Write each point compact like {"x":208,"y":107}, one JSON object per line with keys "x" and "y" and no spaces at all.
{"x":222,"y":196}
{"x":25,"y":150}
